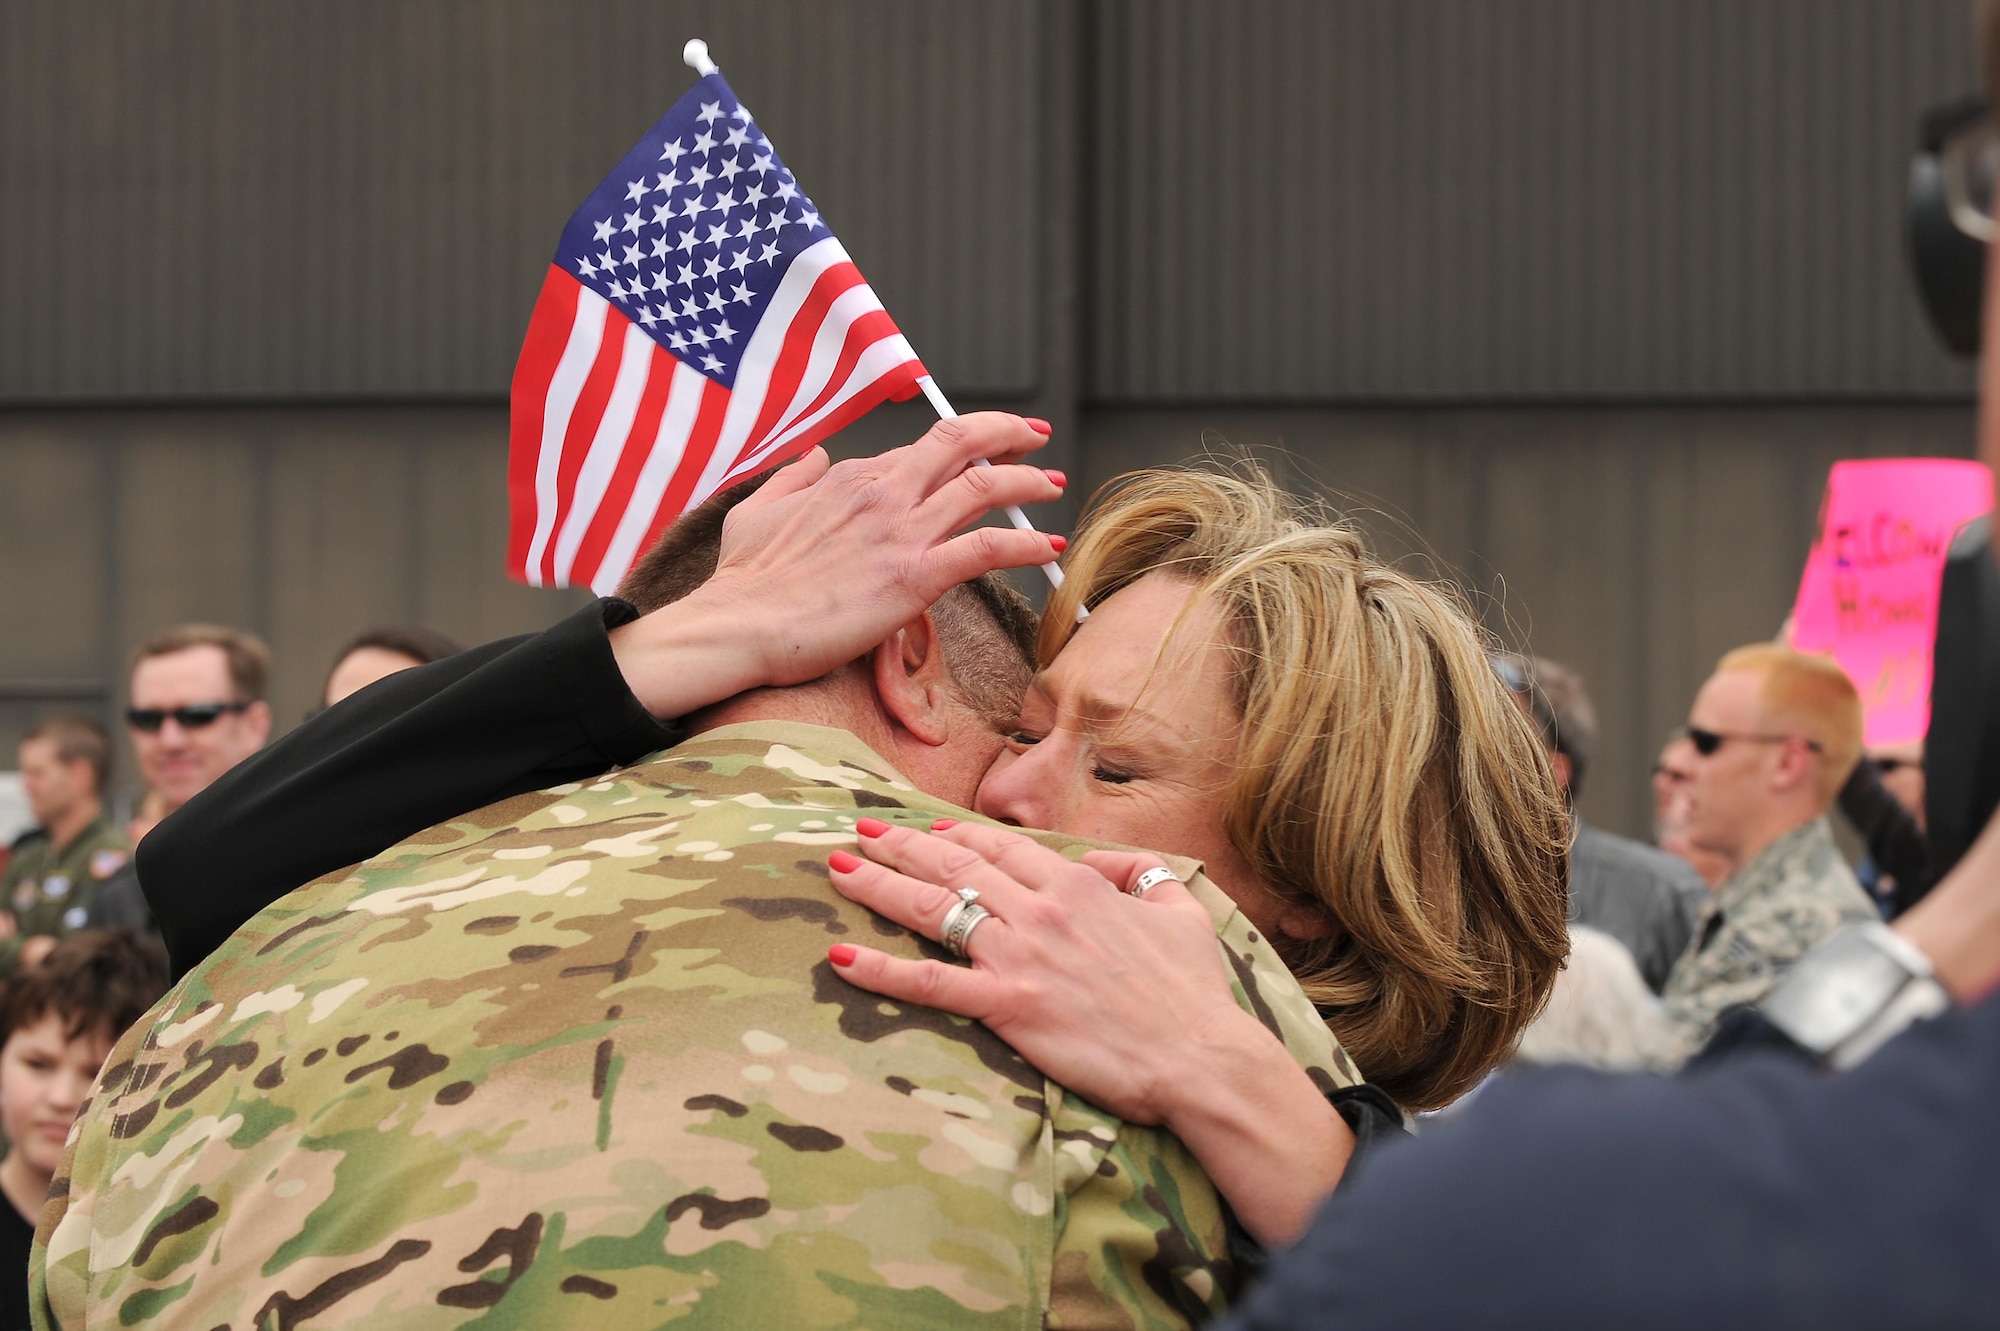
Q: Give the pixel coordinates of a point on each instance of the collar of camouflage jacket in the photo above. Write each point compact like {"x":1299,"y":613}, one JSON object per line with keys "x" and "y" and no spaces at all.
{"x":1797,"y":847}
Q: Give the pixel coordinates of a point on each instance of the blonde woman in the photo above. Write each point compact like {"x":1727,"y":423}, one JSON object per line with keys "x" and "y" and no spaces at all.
{"x":1255,"y":690}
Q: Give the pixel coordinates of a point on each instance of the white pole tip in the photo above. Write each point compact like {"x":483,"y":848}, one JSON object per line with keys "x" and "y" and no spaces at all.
{"x":695,"y":53}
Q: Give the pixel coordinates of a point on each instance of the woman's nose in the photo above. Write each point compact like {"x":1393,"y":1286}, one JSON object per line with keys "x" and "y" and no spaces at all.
{"x":1017,"y":790}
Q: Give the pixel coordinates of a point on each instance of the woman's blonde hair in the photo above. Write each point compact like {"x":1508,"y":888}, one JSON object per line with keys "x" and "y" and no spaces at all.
{"x":1385,"y":778}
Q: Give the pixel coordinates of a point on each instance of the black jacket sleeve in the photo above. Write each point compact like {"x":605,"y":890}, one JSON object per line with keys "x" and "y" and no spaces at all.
{"x":1889,"y":830}
{"x":414,"y":749}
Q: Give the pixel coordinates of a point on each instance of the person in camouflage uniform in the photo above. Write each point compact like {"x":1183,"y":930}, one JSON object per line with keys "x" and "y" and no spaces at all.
{"x":55,"y":871}
{"x":579,"y":1058}
{"x":1776,"y":733}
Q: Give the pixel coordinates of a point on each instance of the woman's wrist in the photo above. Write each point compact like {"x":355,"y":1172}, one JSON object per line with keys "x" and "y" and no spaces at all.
{"x":695,"y":652}
{"x":1262,"y":1130}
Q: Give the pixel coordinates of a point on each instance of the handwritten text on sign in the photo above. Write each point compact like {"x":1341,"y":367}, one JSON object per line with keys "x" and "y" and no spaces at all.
{"x":1870,"y":591}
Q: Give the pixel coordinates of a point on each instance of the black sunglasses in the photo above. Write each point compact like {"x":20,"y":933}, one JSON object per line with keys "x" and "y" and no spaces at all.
{"x":192,"y":717}
{"x":1706,"y":742}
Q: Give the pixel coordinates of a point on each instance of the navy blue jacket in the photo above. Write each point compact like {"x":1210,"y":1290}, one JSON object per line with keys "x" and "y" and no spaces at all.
{"x":1752,"y":1191}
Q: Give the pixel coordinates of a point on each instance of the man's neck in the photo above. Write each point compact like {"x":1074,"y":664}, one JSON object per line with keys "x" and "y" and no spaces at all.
{"x":1765,"y":837}
{"x":26,"y":1188}
{"x":72,"y":822}
{"x":822,"y":703}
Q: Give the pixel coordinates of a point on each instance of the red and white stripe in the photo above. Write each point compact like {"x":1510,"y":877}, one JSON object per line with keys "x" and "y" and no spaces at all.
{"x":613,"y":437}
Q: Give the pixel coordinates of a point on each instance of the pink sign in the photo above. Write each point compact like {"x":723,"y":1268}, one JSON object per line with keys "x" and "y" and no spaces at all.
{"x":1870,"y":591}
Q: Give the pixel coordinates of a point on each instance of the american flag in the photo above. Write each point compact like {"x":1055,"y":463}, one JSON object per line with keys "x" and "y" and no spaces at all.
{"x":699,"y":324}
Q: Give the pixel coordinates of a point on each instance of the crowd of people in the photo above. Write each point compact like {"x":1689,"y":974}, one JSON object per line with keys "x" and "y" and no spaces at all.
{"x":758,"y":947}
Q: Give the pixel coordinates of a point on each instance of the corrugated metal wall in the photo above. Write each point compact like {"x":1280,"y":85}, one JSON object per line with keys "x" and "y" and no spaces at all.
{"x":1349,"y":199}
{"x":227,"y":198}
{"x":294,"y":240}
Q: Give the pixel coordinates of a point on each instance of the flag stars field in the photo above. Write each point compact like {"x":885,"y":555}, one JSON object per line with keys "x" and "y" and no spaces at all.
{"x":679,"y":298}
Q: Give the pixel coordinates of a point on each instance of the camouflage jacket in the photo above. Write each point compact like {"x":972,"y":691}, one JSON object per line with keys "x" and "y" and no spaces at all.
{"x":1757,"y":923}
{"x":578,"y":1059}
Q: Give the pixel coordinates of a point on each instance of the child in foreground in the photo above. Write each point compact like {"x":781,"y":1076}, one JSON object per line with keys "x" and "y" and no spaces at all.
{"x":58,"y":1020}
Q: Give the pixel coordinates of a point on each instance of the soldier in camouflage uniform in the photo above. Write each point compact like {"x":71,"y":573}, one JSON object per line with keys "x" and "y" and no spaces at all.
{"x":579,"y":1058}
{"x":1776,"y":735}
{"x":55,"y":871}
{"x":1760,"y":921}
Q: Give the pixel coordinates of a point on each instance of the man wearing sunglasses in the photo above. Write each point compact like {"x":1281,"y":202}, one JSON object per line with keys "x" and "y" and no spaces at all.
{"x":1775,"y":734}
{"x":197,"y":709}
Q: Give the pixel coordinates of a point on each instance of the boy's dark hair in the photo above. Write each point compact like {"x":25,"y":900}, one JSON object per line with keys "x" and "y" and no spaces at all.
{"x":979,"y":622}
{"x":96,"y":979}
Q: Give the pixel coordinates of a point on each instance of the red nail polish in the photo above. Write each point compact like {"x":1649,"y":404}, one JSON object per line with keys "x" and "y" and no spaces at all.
{"x":841,"y":954}
{"x":1055,"y":475}
{"x":1061,"y":543}
{"x":870,"y":826}
{"x":944,"y":824}
{"x":1039,"y":426}
{"x":841,"y":861}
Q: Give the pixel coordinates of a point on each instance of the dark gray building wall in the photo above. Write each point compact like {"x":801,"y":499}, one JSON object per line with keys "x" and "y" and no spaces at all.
{"x":1592,"y":291}
{"x":225,"y":198}
{"x":1312,"y":200}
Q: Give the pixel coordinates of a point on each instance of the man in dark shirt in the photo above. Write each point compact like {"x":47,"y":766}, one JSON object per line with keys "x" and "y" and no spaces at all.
{"x":1639,"y":894}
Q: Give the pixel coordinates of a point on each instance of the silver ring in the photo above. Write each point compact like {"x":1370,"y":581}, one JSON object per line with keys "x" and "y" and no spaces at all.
{"x":966,"y":897}
{"x":1152,"y":878}
{"x":964,"y":918}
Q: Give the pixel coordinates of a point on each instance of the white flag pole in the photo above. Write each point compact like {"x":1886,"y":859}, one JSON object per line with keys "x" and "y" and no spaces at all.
{"x":1014,"y":514}
{"x":695,"y":55}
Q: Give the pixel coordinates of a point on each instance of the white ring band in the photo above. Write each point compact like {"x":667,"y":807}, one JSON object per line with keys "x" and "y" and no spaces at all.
{"x":1152,"y":878}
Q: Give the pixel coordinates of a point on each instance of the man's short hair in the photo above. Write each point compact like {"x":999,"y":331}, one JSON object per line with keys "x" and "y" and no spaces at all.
{"x":77,"y":739}
{"x":1809,"y":696}
{"x":249,"y":659}
{"x":99,"y":979}
{"x":1560,"y":708}
{"x":1575,"y":717}
{"x":987,"y":628}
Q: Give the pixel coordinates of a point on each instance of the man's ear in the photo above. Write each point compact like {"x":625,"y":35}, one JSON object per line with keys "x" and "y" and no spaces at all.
{"x":912,"y":680}
{"x":258,"y":714}
{"x":1794,"y":767}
